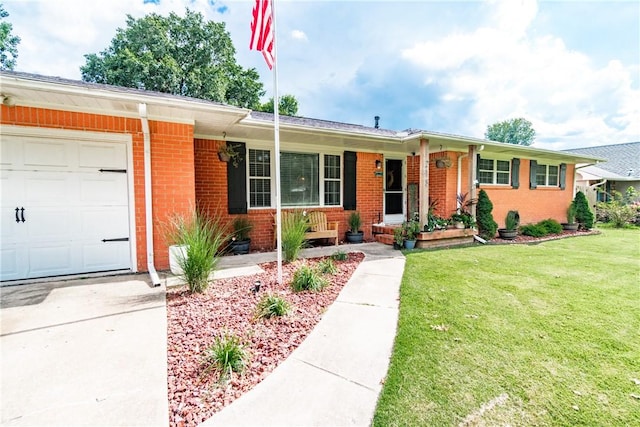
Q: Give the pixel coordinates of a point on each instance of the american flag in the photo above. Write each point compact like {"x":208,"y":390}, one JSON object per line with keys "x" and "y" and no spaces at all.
{"x":262,"y":31}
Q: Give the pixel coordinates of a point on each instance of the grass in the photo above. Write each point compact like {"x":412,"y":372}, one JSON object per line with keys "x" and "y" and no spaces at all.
{"x":226,"y":355}
{"x":545,"y":334}
{"x":306,"y":278}
{"x":271,"y":305}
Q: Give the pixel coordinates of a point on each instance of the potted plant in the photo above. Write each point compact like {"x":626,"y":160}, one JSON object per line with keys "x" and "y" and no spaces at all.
{"x":458,"y":220}
{"x":571,"y":224}
{"x":398,"y":238}
{"x":511,"y":222}
{"x":240,"y":240}
{"x":354,"y":235}
{"x":411,"y":231}
{"x":227,"y":153}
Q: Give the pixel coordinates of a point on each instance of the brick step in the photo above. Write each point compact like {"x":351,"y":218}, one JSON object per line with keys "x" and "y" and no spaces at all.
{"x":386,"y":239}
{"x":384,"y":229}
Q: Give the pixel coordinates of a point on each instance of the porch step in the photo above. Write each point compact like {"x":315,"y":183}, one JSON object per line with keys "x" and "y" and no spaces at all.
{"x":386,"y":239}
{"x":384,"y":229}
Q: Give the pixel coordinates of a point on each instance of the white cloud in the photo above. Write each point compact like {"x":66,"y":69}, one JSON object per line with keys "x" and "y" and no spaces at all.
{"x":299,"y":35}
{"x":506,"y":72}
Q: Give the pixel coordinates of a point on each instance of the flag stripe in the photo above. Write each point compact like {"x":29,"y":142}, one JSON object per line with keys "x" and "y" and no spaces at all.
{"x":261,"y":31}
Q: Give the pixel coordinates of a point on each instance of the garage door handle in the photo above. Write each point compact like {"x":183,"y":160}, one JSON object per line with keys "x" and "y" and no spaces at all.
{"x":19,"y":213}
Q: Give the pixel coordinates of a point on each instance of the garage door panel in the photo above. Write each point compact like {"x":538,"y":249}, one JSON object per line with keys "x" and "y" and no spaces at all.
{"x":48,"y":188}
{"x":103,"y":189}
{"x":105,"y":256}
{"x":50,"y":260}
{"x":13,"y":262}
{"x":104,"y":223}
{"x":102,"y":156}
{"x":44,"y":224}
{"x":46,"y":153}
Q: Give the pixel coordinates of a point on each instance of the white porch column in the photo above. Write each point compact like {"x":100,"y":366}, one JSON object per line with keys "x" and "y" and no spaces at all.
{"x":423,"y":187}
{"x":473,"y":161}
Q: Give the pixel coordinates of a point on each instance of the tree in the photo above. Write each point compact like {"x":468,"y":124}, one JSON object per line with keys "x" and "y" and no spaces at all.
{"x":288,"y":105}
{"x":487,"y":226}
{"x":584,"y":216}
{"x":182,"y":56}
{"x":8,"y":43}
{"x":512,"y":131}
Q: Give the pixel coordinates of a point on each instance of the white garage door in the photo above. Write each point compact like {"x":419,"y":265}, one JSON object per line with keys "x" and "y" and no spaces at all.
{"x":65,"y":207}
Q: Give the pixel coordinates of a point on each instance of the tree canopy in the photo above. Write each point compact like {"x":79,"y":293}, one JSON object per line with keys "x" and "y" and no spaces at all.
{"x":182,"y":56}
{"x":512,"y":131}
{"x":8,"y":43}
{"x":288,"y":105}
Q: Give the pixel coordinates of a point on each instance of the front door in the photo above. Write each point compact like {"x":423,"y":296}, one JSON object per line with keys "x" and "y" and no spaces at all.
{"x":394,"y":212}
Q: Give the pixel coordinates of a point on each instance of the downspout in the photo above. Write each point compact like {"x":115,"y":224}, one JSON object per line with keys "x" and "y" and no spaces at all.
{"x":153,"y":274}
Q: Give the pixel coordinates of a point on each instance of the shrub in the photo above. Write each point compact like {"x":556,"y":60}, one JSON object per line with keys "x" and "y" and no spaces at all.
{"x":551,"y":226}
{"x":326,"y":266}
{"x":512,"y":220}
{"x":487,"y":227}
{"x":411,"y":229}
{"x":354,"y":221}
{"x":271,"y":306}
{"x":616,"y":213}
{"x":204,"y":238}
{"x":242,"y":226}
{"x":306,"y":278}
{"x":226,"y":355}
{"x":534,"y":230}
{"x":584,"y":216}
{"x":339,"y":256}
{"x":294,"y":227}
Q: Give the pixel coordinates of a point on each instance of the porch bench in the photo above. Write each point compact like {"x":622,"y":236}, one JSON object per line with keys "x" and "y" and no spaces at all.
{"x":319,"y":227}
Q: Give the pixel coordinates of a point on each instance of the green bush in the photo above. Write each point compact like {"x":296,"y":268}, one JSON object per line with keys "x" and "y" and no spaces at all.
{"x":294,"y":227}
{"x":242,"y":226}
{"x":354,"y":221}
{"x":306,"y":278}
{"x":487,"y":227}
{"x":271,"y":305}
{"x":226,"y":355}
{"x":551,"y":226}
{"x":339,"y":256}
{"x":534,"y":230}
{"x":512,"y":220}
{"x":326,"y":266}
{"x":584,"y":216}
{"x":204,"y":239}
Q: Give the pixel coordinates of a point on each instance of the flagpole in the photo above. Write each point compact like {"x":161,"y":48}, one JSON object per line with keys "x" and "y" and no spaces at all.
{"x":276,"y":135}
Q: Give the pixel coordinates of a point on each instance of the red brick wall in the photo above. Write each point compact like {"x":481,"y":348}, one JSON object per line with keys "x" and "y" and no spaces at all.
{"x":172,"y":164}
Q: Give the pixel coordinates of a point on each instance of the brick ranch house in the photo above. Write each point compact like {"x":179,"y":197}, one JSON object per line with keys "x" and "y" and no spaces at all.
{"x":91,"y":173}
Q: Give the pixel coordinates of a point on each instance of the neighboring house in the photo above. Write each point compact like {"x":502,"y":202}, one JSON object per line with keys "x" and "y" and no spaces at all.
{"x":90,"y":173}
{"x":619,"y":171}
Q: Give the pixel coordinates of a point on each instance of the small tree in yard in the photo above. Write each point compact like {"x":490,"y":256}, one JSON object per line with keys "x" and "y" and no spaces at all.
{"x":486,"y":224}
{"x":584,"y":216}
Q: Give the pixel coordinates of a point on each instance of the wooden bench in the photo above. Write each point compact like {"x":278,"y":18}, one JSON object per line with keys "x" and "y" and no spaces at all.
{"x":319,"y":227}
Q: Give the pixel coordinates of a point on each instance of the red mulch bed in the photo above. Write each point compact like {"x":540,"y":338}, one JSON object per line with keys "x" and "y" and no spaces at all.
{"x":528,"y":239}
{"x":228,"y":305}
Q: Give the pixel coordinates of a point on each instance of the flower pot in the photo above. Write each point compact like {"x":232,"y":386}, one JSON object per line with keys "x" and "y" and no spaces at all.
{"x":507,"y":234}
{"x":570,"y":227}
{"x":458,"y":224}
{"x":356,"y":237}
{"x":176,"y":254}
{"x":224,"y":157}
{"x":409,"y":244}
{"x":240,"y":247}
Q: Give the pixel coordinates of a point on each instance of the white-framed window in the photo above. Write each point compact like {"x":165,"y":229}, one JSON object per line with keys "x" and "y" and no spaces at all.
{"x":547,"y":175}
{"x":492,"y":171}
{"x":306,"y":179}
{"x":259,"y":178}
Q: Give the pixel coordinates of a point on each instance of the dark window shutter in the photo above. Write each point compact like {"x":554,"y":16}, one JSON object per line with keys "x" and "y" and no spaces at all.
{"x":533,"y":169}
{"x":349,"y":183}
{"x":563,"y":176}
{"x":515,"y":173}
{"x":477,"y":170}
{"x":237,"y":181}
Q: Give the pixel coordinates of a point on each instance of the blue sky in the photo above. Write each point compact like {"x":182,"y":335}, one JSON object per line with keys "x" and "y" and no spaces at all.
{"x":571,"y":68}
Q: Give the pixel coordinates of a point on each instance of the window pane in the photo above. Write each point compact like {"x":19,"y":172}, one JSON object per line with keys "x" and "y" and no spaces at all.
{"x":299,"y":179}
{"x":502,"y":178}
{"x":331,"y":167}
{"x":259,"y":193}
{"x":485,"y":177}
{"x":503,"y":165}
{"x":553,"y":175}
{"x":485,"y":164}
{"x":332,"y":193}
{"x":259,"y":178}
{"x":541,"y":175}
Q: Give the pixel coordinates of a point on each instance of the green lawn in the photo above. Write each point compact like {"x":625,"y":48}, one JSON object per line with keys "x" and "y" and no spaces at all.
{"x":545,"y":334}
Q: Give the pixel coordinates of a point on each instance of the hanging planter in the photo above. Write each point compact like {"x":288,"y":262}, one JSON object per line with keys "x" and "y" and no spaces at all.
{"x":227,"y":153}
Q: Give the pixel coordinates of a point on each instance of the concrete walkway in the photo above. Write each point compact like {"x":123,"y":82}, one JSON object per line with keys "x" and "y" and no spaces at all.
{"x":335,"y":376}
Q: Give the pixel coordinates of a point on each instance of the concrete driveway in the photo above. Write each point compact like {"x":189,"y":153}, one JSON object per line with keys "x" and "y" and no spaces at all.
{"x":84,"y":352}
